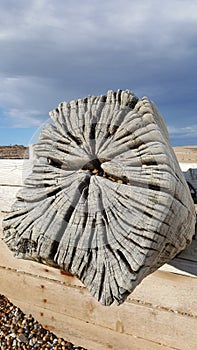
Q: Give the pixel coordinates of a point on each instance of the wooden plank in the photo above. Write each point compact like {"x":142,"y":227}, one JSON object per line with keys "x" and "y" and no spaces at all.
{"x":183,"y":264}
{"x":86,"y":334}
{"x":156,"y":301}
{"x":169,"y":291}
{"x":186,"y":165}
{"x":190,"y":253}
{"x":7,"y":197}
{"x":180,"y":267}
{"x":191,"y":176}
{"x":51,"y":222}
{"x":186,"y":262}
{"x":14,"y":171}
{"x":1,"y":219}
{"x":149,"y":290}
{"x":8,"y":261}
{"x":148,"y":322}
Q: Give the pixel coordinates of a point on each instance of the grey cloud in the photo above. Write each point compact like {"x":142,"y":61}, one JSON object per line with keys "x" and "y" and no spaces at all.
{"x":60,"y":50}
{"x":187,"y":130}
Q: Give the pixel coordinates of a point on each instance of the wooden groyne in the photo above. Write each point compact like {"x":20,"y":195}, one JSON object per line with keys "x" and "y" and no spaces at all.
{"x":160,"y":314}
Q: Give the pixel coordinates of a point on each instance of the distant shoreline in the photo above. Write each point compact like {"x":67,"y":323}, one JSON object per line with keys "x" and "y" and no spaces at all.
{"x":186,"y":154}
{"x":14,"y":152}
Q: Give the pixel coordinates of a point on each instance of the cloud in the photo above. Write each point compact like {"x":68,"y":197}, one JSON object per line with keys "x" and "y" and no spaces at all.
{"x":24,"y":118}
{"x":60,"y":50}
{"x":18,"y":97}
{"x":183,"y":132}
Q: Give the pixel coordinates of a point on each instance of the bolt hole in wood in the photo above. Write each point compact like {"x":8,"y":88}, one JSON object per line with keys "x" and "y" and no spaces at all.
{"x":110,"y":205}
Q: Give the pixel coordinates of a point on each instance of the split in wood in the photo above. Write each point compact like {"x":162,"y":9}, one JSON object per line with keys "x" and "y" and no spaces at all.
{"x":94,"y":167}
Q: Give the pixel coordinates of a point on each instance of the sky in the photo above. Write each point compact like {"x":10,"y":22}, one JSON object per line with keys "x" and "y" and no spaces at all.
{"x":60,"y":50}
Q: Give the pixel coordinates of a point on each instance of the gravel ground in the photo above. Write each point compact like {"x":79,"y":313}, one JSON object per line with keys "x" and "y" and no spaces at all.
{"x":19,"y":331}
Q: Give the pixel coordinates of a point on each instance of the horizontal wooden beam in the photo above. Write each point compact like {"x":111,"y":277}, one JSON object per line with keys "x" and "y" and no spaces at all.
{"x":86,"y":334}
{"x":155,"y":324}
{"x":161,"y":313}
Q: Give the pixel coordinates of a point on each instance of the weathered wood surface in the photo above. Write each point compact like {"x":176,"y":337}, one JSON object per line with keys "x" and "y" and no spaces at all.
{"x":106,"y":200}
{"x":191,"y":178}
{"x":161,"y":313}
{"x":88,"y":335}
{"x":162,"y":310}
{"x":14,"y":171}
{"x":8,"y":196}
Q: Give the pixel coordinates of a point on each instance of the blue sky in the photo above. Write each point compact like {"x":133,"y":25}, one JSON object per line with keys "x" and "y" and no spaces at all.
{"x":54,"y":51}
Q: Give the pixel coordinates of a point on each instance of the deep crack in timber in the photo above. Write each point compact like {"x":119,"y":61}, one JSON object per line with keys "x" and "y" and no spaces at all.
{"x":95,"y":168}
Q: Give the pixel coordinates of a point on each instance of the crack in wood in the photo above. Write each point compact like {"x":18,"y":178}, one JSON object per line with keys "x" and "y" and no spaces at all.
{"x":161,"y":307}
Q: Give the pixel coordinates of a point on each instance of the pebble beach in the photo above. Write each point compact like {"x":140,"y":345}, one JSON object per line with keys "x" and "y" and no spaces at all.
{"x":19,"y":331}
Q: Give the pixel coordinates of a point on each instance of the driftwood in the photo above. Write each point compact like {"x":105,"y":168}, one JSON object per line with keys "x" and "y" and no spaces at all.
{"x":191,"y":178}
{"x":106,"y":199}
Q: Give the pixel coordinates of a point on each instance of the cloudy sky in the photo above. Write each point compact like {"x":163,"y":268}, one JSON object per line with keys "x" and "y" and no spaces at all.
{"x":58,"y":50}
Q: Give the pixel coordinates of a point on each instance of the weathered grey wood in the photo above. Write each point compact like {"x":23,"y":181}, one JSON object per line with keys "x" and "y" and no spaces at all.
{"x":14,"y":171}
{"x":191,"y":178}
{"x":106,"y":199}
{"x":164,"y":314}
{"x":7,"y":197}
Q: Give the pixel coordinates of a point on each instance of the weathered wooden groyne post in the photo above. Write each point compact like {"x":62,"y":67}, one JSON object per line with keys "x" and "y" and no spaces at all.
{"x":106,"y":199}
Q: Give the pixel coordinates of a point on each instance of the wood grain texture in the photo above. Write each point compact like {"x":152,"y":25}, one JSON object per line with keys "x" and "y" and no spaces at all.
{"x":7,"y":197}
{"x":191,"y":178}
{"x":106,"y":200}
{"x":14,"y":171}
{"x":85,"y":334}
{"x":145,"y":320}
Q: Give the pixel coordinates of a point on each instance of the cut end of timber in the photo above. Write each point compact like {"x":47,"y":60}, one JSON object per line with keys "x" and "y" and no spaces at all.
{"x":106,"y":200}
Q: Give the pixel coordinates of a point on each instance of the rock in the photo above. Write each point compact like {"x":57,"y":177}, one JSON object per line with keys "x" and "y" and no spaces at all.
{"x":106,"y":200}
